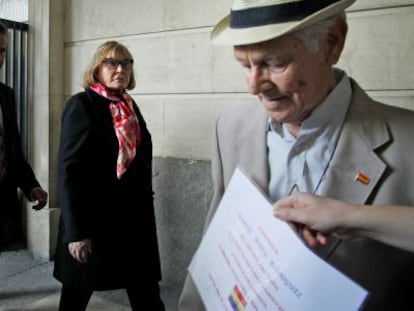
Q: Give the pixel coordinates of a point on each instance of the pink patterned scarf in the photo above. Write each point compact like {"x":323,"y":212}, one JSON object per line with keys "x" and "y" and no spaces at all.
{"x":125,"y":123}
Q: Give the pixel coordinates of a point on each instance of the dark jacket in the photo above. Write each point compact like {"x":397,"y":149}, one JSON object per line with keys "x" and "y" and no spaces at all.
{"x":19,"y":172}
{"x":117,"y":215}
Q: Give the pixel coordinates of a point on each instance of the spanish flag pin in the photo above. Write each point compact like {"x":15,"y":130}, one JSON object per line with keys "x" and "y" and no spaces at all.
{"x":361,"y":177}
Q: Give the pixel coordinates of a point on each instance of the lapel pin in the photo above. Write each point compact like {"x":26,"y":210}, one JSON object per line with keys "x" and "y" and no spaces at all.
{"x":361,"y":177}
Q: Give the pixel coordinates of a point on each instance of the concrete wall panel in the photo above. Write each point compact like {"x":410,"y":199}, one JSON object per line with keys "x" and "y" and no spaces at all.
{"x":125,"y":17}
{"x":403,"y":99}
{"x":379,"y":49}
{"x":181,"y":126}
{"x":77,"y":57}
{"x":182,"y":195}
{"x":181,"y":14}
{"x":376,"y":4}
{"x":88,"y":20}
{"x":175,"y":63}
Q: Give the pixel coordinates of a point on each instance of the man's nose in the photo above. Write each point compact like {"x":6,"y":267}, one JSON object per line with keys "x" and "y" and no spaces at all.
{"x":256,"y":80}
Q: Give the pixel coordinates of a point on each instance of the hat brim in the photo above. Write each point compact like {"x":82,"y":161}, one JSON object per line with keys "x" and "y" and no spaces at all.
{"x":222,"y":34}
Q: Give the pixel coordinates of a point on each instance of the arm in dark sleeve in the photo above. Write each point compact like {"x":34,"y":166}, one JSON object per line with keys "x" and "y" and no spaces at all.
{"x":73,"y":160}
{"x":20,"y":169}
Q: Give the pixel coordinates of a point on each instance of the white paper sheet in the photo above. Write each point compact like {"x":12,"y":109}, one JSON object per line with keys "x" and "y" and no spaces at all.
{"x":249,"y":260}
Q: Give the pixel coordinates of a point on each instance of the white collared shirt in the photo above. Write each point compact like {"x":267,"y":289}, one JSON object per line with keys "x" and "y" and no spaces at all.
{"x":303,"y":161}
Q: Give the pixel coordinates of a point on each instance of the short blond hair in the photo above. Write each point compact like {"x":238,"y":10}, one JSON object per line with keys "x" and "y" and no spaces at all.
{"x":89,"y":76}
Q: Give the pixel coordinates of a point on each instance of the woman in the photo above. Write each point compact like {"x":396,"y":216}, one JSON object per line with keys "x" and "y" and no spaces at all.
{"x":107,"y":236}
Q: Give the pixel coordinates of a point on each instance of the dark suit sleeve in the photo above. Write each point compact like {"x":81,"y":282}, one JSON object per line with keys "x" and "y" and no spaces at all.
{"x":19,"y":169}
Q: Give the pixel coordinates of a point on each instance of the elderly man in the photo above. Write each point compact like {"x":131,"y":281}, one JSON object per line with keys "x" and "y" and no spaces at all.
{"x":318,"y":130}
{"x":15,"y":172}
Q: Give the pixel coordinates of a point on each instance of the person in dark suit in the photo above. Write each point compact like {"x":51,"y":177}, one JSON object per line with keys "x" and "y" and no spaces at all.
{"x":107,"y":236}
{"x":314,"y":127}
{"x":15,"y":172}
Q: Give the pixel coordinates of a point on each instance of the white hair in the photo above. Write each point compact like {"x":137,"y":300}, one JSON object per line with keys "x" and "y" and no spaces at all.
{"x":312,"y":36}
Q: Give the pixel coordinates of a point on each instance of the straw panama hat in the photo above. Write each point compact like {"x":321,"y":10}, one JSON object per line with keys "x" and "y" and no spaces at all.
{"x":253,"y":21}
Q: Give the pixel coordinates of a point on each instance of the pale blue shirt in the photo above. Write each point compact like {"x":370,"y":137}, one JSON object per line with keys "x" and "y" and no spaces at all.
{"x":304,"y":160}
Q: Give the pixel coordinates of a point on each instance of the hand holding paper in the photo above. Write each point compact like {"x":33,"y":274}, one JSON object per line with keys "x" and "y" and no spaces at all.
{"x":248,"y":260}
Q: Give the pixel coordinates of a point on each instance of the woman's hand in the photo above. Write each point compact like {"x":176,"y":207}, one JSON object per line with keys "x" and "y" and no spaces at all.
{"x":316,"y":216}
{"x":80,"y":250}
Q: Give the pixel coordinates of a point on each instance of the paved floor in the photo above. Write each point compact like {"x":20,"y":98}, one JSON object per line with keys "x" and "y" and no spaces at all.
{"x":27,"y":284}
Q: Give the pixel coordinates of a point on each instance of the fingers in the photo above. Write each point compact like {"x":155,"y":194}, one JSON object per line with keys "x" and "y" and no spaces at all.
{"x":322,"y":238}
{"x":40,"y":198}
{"x":286,"y":202}
{"x":283,"y":212}
{"x":80,"y":251}
{"x":314,"y":238}
{"x":289,"y":208}
{"x":39,"y":204}
{"x":80,"y":255}
{"x":299,"y":215}
{"x":83,"y":256}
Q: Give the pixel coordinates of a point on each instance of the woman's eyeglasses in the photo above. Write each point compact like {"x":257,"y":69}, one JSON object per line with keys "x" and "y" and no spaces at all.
{"x":112,"y":63}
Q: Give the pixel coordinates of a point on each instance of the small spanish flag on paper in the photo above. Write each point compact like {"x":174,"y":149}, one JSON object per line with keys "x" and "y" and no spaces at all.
{"x":361,"y":177}
{"x":236,"y":299}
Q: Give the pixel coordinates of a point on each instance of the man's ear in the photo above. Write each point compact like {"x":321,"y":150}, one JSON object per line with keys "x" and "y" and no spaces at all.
{"x":335,"y":40}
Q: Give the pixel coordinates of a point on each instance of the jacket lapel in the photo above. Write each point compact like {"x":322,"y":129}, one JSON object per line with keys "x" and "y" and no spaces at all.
{"x":252,"y":150}
{"x":363,"y":132}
